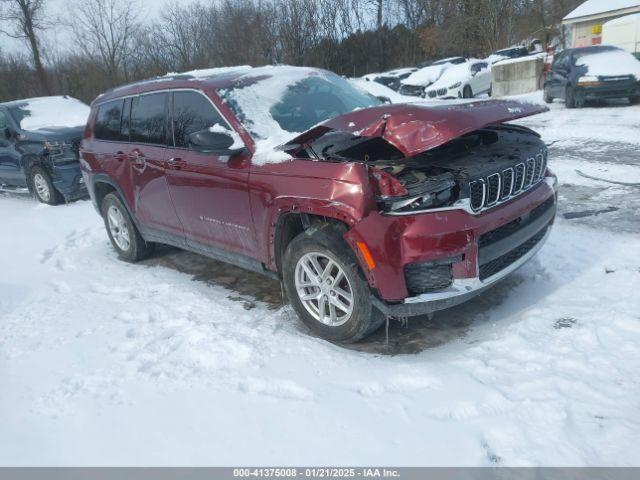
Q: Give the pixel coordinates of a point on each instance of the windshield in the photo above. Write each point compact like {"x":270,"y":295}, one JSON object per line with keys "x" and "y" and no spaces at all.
{"x":47,"y":112}
{"x":292,"y":100}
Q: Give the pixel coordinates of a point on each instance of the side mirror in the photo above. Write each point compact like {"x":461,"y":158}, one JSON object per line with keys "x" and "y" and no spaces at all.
{"x":214,"y":142}
{"x":383,"y":99}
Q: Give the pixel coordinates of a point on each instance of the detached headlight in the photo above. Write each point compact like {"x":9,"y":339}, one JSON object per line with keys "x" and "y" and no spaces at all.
{"x":589,"y":81}
{"x":422,"y":202}
{"x":455,"y":85}
{"x":435,"y":192}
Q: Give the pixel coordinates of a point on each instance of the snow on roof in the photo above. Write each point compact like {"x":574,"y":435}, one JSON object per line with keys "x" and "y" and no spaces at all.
{"x":378,"y":90}
{"x":526,"y":58}
{"x":634,"y":17}
{"x":210,"y":72}
{"x":426,"y":75}
{"x":596,"y":7}
{"x":46,"y":112}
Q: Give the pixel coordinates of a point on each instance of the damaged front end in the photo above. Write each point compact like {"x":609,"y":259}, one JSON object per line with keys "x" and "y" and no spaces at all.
{"x":425,"y":159}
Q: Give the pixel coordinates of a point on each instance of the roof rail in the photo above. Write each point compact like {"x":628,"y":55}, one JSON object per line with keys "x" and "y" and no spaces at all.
{"x":178,"y":76}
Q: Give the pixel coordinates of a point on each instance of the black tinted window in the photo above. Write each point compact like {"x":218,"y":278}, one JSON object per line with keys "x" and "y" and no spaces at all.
{"x":148,"y":119}
{"x":108,"y":121}
{"x":192,"y":112}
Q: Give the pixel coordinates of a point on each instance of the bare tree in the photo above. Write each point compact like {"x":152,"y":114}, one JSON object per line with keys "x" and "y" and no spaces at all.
{"x":27,"y":18}
{"x":104,"y":29}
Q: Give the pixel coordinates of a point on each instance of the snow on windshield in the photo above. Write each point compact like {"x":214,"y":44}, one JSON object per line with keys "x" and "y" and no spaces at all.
{"x":277,"y":103}
{"x":610,"y":62}
{"x":47,"y":112}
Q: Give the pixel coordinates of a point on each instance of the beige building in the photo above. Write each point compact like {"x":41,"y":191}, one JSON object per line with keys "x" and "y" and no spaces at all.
{"x":584,"y":24}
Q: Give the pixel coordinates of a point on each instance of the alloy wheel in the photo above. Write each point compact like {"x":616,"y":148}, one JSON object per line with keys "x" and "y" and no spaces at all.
{"x":118,"y":228}
{"x":323,"y":289}
{"x":42,"y":187}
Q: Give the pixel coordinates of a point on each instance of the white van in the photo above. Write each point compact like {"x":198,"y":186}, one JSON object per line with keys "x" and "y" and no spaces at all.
{"x":623,"y":32}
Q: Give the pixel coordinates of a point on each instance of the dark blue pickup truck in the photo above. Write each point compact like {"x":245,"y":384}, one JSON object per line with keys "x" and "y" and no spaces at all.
{"x":39,"y":140}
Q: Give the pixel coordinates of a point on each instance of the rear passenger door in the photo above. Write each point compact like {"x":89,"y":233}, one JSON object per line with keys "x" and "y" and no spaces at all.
{"x":146,"y":125}
{"x":9,"y":157}
{"x":209,"y":190}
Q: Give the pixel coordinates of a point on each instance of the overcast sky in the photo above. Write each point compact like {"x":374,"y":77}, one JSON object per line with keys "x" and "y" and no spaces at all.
{"x":57,"y":39}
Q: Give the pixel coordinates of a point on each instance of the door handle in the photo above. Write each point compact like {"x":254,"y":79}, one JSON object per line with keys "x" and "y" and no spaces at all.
{"x":176,"y":163}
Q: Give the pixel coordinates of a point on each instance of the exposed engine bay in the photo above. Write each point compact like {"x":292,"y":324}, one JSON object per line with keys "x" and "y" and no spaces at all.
{"x":484,"y":167}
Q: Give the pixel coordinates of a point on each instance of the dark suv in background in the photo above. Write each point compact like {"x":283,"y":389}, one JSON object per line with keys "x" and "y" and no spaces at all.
{"x":374,"y":211}
{"x":39,"y":141}
{"x":600,"y":72}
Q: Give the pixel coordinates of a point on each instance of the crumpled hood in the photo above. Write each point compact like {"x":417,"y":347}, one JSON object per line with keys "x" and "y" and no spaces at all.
{"x":415,"y":128}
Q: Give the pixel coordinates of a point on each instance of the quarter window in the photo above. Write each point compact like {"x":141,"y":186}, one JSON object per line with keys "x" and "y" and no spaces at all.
{"x":108,"y":121}
{"x":192,"y":112}
{"x":148,"y":119}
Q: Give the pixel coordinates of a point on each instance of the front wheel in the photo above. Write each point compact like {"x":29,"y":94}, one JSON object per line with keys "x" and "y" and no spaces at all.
{"x":43,"y":188}
{"x":325,"y":287}
{"x":573,"y":99}
{"x":547,"y":98}
{"x":124,"y":235}
{"x":467,"y":92}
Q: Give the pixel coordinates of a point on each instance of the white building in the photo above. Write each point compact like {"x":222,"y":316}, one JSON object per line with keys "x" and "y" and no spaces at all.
{"x":584,"y":23}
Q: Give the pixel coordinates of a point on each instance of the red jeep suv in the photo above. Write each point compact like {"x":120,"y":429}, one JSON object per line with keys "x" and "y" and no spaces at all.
{"x":363,"y":210}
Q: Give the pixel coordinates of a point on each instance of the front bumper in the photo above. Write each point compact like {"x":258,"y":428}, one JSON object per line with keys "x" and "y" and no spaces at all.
{"x":395,"y":242}
{"x":613,"y":90}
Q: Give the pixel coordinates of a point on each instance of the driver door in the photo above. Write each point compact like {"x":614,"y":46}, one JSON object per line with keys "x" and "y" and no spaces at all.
{"x":480,"y":78}
{"x":10,"y":173}
{"x":210,"y":192}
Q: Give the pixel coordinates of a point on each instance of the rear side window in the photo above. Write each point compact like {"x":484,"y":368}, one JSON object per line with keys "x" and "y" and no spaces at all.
{"x":148,"y":119}
{"x":108,"y":121}
{"x":192,"y":112}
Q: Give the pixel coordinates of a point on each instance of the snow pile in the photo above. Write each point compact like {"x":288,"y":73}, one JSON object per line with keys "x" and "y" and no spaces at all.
{"x":610,"y":63}
{"x":595,"y":7}
{"x":47,"y":112}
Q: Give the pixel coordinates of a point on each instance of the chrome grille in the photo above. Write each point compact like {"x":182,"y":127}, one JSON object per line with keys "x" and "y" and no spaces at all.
{"x":499,"y":187}
{"x":493,"y":189}
{"x":507,"y":183}
{"x":442,"y":91}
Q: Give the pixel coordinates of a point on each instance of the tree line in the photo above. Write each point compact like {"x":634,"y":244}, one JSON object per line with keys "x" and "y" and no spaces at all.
{"x":116,"y":41}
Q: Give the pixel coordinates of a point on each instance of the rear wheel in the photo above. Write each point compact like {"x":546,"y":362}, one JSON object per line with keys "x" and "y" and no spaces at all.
{"x":326,"y":288}
{"x":634,"y":100}
{"x":43,"y":188}
{"x":467,"y":92}
{"x":124,"y":235}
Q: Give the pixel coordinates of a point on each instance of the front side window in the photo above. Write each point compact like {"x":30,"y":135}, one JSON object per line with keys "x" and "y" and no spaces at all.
{"x":4,"y":122}
{"x":192,"y":112}
{"x":108,"y":121}
{"x":148,"y":119}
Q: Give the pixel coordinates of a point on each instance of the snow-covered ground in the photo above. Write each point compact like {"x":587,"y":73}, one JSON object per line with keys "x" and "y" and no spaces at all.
{"x":107,"y":363}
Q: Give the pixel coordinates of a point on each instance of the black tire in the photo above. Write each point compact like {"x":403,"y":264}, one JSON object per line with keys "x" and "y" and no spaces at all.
{"x":573,"y":99}
{"x":634,"y":100}
{"x":547,"y":98}
{"x":326,"y":240}
{"x":467,"y":92}
{"x":138,"y":248}
{"x":42,"y":187}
